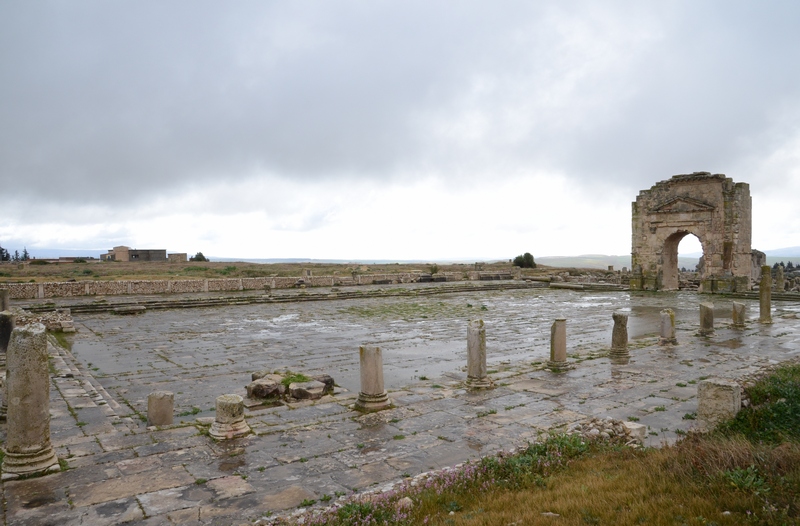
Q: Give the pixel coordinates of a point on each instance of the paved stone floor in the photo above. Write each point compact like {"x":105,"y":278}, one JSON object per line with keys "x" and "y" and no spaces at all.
{"x":119,"y":470}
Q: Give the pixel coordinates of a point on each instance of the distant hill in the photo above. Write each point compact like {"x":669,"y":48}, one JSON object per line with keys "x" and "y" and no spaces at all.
{"x":788,"y":252}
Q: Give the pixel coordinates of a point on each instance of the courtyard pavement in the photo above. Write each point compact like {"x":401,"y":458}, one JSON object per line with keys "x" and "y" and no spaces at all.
{"x":122,"y":471}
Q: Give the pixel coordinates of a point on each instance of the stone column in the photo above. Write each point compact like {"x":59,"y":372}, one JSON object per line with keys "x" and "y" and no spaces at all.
{"x":706,"y":319}
{"x":558,"y":345}
{"x":476,"y":356}
{"x":668,"y":327}
{"x":27,"y":449}
{"x":738,"y":314}
{"x":7,"y":322}
{"x":780,"y":279}
{"x":765,"y":296}
{"x":717,"y":400}
{"x":619,"y":337}
{"x":6,"y":326}
{"x":373,"y":396}
{"x":5,"y":299}
{"x":160,"y":408}
{"x":229,"y":421}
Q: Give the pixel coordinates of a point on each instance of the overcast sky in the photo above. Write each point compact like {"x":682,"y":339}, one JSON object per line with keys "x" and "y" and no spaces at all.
{"x":387,"y":130}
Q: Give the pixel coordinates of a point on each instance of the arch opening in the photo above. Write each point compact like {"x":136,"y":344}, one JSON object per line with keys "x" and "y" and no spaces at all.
{"x":670,"y":264}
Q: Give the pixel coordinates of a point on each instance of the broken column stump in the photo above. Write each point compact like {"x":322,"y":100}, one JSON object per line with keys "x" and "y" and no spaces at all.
{"x":160,"y":408}
{"x":619,"y":337}
{"x":738,"y":314}
{"x":558,"y":346}
{"x":706,"y":319}
{"x":717,"y":400}
{"x":668,"y":327}
{"x":229,"y":421}
{"x":476,"y":356}
{"x":373,"y":396}
{"x":7,"y":323}
{"x":765,"y":296}
{"x":5,"y":299}
{"x":28,"y":450}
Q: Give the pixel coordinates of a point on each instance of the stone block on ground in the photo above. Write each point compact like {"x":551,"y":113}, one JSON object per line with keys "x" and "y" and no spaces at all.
{"x":160,"y":408}
{"x":264,"y":388}
{"x":327,"y":380}
{"x":636,"y":431}
{"x":718,"y":400}
{"x":312,"y":390}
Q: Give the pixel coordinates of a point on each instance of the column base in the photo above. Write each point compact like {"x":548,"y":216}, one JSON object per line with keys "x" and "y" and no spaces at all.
{"x":220,"y":431}
{"x":39,"y":462}
{"x":479,"y":383}
{"x":369,"y":403}
{"x":559,"y":367}
{"x":619,"y":356}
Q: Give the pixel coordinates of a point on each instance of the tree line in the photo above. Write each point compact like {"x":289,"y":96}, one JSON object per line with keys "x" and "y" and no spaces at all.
{"x":5,"y":255}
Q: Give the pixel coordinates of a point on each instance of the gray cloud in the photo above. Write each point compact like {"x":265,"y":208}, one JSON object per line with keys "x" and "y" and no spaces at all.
{"x":104,"y":101}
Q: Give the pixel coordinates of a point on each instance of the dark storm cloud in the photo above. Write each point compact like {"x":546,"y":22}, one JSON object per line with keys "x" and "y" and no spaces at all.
{"x":110,"y":101}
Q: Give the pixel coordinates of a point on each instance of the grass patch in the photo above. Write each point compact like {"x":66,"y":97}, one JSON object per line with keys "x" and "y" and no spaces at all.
{"x":294,"y":378}
{"x":773,"y":415}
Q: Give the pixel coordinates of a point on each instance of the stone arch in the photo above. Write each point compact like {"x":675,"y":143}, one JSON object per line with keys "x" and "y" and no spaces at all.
{"x":714,"y":209}
{"x":669,"y":269}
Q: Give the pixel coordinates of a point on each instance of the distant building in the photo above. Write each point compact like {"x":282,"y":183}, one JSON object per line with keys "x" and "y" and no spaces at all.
{"x":178,"y":258}
{"x":123,"y":253}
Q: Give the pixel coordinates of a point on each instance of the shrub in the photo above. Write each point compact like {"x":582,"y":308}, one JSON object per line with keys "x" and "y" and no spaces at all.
{"x":524,"y":261}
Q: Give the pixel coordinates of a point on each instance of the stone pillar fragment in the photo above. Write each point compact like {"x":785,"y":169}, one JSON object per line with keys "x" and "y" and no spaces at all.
{"x":558,"y":345}
{"x":7,"y":320}
{"x":27,"y":449}
{"x":5,"y":299}
{"x":668,"y":327}
{"x":738,"y":314}
{"x":373,"y":396}
{"x":717,"y":400}
{"x":765,"y":296}
{"x":619,"y":336}
{"x":476,"y":356}
{"x":706,"y":319}
{"x":229,"y":420}
{"x":780,"y":279}
{"x":160,"y":408}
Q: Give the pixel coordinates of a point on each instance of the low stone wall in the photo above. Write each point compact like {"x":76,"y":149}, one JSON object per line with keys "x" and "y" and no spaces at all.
{"x":27,"y":291}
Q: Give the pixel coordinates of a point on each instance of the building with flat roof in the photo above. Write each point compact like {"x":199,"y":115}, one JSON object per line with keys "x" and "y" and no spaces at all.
{"x":123,"y":253}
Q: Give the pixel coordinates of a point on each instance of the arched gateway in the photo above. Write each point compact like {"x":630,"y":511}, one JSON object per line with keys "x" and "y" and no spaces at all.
{"x":713,"y":208}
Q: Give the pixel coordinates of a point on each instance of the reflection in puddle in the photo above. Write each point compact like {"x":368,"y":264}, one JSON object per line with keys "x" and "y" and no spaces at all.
{"x":231,"y":464}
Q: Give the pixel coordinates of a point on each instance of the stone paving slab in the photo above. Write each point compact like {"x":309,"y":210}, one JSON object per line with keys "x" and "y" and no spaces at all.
{"x":121,"y":471}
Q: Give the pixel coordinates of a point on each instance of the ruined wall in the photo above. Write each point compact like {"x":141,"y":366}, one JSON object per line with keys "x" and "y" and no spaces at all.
{"x":713,"y":208}
{"x":117,"y":288}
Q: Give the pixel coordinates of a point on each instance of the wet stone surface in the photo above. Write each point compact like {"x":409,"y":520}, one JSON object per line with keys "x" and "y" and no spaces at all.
{"x":121,"y":470}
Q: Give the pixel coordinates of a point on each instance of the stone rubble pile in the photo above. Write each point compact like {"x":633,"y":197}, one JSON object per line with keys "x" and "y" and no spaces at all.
{"x":269,"y":386}
{"x":615,"y":431}
{"x":59,"y":320}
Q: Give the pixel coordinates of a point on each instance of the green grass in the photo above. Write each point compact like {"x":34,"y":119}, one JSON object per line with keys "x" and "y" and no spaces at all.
{"x":773,"y":415}
{"x":292,"y":378}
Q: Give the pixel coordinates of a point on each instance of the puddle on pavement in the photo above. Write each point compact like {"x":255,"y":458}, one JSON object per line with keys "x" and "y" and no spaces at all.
{"x":733,"y":343}
{"x":232,"y":464}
